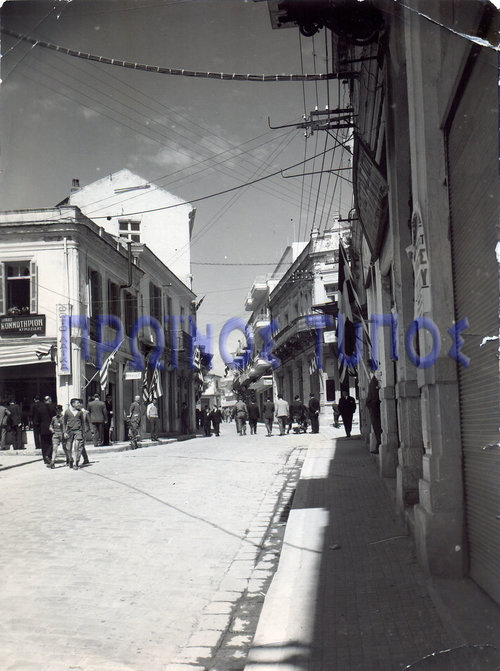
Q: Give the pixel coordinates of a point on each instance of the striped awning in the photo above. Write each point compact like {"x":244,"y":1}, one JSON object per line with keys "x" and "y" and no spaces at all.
{"x":26,"y":354}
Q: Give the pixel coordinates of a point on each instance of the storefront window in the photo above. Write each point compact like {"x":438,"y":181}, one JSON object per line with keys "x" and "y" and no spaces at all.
{"x":17,"y":285}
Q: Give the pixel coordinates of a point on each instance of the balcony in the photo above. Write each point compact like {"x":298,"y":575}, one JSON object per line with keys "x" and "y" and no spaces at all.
{"x":259,"y":290}
{"x":261,"y":319}
{"x":298,"y":328}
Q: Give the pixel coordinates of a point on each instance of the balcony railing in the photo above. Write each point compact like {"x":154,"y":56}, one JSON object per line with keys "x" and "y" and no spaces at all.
{"x":295,"y":328}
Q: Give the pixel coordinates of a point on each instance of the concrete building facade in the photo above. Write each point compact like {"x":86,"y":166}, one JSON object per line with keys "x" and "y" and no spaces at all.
{"x":56,"y":262}
{"x":304,"y":299}
{"x":423,"y":92}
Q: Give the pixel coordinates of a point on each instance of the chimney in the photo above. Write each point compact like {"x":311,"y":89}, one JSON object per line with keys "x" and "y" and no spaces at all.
{"x":75,"y":185}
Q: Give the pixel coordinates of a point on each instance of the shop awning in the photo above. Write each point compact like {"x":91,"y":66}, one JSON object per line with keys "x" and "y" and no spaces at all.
{"x":27,"y":354}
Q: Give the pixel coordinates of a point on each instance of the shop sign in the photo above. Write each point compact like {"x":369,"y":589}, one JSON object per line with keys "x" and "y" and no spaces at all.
{"x":63,"y":364}
{"x":22,"y":325}
{"x":132,"y":375}
{"x":370,"y":191}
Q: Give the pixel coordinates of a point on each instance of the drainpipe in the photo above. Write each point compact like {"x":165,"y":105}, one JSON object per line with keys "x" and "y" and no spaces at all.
{"x":127,"y":286}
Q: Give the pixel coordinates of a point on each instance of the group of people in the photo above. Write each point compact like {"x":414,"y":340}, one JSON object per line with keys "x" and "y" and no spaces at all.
{"x":53,"y":427}
{"x":11,"y":425}
{"x":294,"y":415}
{"x":211,"y":420}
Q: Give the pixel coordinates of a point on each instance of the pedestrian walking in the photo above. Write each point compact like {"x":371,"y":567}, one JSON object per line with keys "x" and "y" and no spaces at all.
{"x":184,"y":419}
{"x":241,"y":411}
{"x":268,"y":415}
{"x":336,"y":415}
{"x":97,"y":416}
{"x":75,"y":424}
{"x":206,"y":421}
{"x":216,"y":416}
{"x":314,"y":413}
{"x":56,"y":428}
{"x":297,"y":414}
{"x":4,"y":424}
{"x":85,"y":432}
{"x":154,"y":420}
{"x":347,"y":407}
{"x":134,"y":419}
{"x":109,"y":423}
{"x":373,"y":405}
{"x":282,"y":411}
{"x":16,"y":425}
{"x":46,"y":411}
{"x":253,"y":416}
{"x":35,"y":421}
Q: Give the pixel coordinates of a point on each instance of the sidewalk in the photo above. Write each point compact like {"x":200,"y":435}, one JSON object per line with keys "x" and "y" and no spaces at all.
{"x":349,"y":595}
{"x":30,"y":450}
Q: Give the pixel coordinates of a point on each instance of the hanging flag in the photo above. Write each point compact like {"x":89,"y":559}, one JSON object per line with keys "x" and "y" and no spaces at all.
{"x":344,"y":285}
{"x":151,"y":386}
{"x":156,"y":390}
{"x":104,"y":372}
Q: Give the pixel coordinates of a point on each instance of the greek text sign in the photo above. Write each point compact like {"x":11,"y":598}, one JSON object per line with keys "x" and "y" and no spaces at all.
{"x":24,"y":325}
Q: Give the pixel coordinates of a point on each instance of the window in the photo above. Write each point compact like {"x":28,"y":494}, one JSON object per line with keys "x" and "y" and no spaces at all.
{"x":331,"y":291}
{"x":130,"y":311}
{"x":114,"y":299}
{"x":18,"y":288}
{"x":17,"y":285}
{"x":130,"y":230}
{"x":155,"y":301}
{"x":95,"y":293}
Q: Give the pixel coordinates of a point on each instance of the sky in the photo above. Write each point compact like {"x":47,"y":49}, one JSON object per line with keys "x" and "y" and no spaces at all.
{"x":64,"y":118}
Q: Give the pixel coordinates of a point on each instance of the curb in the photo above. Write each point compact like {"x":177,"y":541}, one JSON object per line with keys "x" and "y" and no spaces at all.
{"x":31,"y":451}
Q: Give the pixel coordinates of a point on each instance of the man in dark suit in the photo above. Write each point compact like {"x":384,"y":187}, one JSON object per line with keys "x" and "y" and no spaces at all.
{"x":314,"y":413}
{"x":109,"y":420}
{"x":253,"y":416}
{"x":268,"y":413}
{"x":97,"y":417}
{"x":16,"y":425}
{"x":347,"y":407}
{"x":35,"y":420}
{"x":45,"y":412}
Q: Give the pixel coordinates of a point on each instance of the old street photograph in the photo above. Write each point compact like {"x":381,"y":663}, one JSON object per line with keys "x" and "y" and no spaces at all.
{"x":249,"y":335}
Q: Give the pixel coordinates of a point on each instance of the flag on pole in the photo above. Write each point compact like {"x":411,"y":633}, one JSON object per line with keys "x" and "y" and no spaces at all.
{"x":104,"y":372}
{"x":156,"y":390}
{"x":151,"y":386}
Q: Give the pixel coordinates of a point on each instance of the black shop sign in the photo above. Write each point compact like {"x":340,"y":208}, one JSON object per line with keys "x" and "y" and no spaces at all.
{"x":22,"y":325}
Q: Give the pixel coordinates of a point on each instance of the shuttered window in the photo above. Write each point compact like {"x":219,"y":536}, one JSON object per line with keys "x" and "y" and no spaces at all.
{"x":2,"y":288}
{"x":473,"y":184}
{"x":33,"y":288}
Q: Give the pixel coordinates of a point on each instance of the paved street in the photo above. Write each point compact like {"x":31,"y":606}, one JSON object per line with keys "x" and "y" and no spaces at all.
{"x":150,"y":559}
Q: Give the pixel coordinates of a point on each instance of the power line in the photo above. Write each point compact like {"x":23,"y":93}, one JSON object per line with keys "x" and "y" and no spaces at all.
{"x":212,"y":195}
{"x":224,"y":263}
{"x":168,"y":71}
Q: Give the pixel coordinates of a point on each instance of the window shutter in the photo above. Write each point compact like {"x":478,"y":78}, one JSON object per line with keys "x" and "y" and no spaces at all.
{"x":2,"y":289}
{"x":33,"y":288}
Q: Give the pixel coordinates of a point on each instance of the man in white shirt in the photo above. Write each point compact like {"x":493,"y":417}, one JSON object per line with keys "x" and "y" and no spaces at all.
{"x":152,"y":415}
{"x":282,"y":411}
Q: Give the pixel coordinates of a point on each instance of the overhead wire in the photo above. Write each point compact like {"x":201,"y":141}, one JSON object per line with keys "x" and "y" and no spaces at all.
{"x":211,"y":195}
{"x":179,"y":122}
{"x":238,"y":194}
{"x":164,"y":137}
{"x":181,"y":72}
{"x":232,"y":172}
{"x":59,"y":92}
{"x":318,"y":190}
{"x":305,"y":134}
